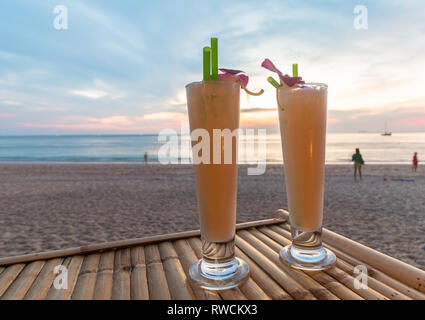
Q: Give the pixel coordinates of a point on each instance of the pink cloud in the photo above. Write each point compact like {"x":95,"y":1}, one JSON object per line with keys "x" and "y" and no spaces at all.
{"x":411,"y":122}
{"x":7,"y":115}
{"x":148,"y":123}
{"x":333,"y":121}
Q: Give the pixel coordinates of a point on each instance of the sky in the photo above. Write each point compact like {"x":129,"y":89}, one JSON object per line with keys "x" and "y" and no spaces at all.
{"x":121,"y":66}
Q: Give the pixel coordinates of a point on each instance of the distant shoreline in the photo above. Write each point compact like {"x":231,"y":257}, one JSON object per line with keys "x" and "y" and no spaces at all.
{"x":158,"y":163}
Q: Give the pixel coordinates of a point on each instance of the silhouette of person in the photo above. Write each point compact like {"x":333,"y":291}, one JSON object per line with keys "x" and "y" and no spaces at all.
{"x":146,"y":157}
{"x":415,"y":162}
{"x":358,"y":162}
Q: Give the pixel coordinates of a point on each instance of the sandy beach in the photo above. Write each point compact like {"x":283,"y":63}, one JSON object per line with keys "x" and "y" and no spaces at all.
{"x":55,"y":206}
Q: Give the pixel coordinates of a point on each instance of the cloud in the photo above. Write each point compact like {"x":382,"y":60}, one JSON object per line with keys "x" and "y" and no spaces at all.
{"x":92,"y":94}
{"x":11,"y":102}
{"x":149,"y":123}
{"x":115,"y":69}
{"x":7,"y":115}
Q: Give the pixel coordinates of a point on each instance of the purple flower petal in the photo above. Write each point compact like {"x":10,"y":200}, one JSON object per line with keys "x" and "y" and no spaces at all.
{"x":226,"y":77}
{"x":244,"y":78}
{"x":288,"y":80}
{"x":270,"y":66}
{"x":231,"y":71}
{"x":233,"y":75}
{"x":291,"y":81}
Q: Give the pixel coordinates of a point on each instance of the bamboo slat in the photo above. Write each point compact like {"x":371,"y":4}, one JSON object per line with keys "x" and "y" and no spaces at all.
{"x":264,"y":281}
{"x":73,"y":266}
{"x":139,"y":281}
{"x":329,"y":275}
{"x":103,"y":287}
{"x":252,"y":291}
{"x":86,"y":249}
{"x":290,"y":285}
{"x":394,"y":268}
{"x":8,"y":276}
{"x":399,"y":289}
{"x":157,"y":282}
{"x":121,"y":277}
{"x":84,"y":288}
{"x":22,"y":283}
{"x":157,"y":268}
{"x":270,"y":249}
{"x":178,"y":284}
{"x":44,"y":280}
{"x":376,"y":285}
{"x":187,"y":258}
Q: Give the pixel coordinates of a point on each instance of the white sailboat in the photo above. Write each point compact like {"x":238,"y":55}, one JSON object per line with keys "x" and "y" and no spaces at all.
{"x":386,"y":132}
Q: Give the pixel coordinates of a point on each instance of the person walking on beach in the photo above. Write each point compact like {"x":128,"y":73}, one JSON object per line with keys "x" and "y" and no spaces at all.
{"x":146,"y":157}
{"x":415,"y":162}
{"x":358,"y":162}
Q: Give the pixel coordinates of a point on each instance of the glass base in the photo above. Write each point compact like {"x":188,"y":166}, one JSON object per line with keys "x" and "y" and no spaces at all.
{"x":308,"y":259}
{"x":219,"y":276}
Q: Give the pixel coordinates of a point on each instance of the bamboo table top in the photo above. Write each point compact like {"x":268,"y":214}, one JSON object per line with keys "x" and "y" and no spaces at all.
{"x":157,"y":267}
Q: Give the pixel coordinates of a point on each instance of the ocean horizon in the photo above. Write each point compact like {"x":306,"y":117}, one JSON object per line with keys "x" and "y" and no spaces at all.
{"x":375,"y":148}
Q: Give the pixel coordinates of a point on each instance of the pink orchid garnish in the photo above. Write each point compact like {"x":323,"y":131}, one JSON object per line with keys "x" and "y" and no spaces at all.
{"x":288,"y":80}
{"x":238,"y":76}
{"x":270,"y":66}
{"x":234,"y":75}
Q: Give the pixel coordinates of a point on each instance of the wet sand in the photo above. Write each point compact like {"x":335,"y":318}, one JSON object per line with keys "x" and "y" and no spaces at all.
{"x":56,"y":206}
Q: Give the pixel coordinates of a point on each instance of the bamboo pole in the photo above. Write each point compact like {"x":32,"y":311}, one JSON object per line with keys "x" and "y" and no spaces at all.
{"x":73,"y":267}
{"x":22,"y":283}
{"x":320,"y":285}
{"x":394,"y":268}
{"x":329,"y":275}
{"x":397,"y":288}
{"x":308,"y":280}
{"x":256,"y":253}
{"x":408,"y":274}
{"x":121,"y":277}
{"x":380,"y":287}
{"x":157,"y":282}
{"x":188,"y":257}
{"x":84,"y":288}
{"x":91,"y":248}
{"x":230,"y":294}
{"x":252,"y":291}
{"x":103,"y":286}
{"x":196,"y":247}
{"x":264,"y":281}
{"x":139,"y":281}
{"x":44,"y":280}
{"x":376,"y":285}
{"x":8,"y":276}
{"x":178,"y":284}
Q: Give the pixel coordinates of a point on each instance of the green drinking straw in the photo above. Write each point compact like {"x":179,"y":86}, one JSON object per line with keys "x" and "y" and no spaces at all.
{"x":207,"y":58}
{"x":295,"y":70}
{"x":214,"y":58}
{"x":273,"y":82}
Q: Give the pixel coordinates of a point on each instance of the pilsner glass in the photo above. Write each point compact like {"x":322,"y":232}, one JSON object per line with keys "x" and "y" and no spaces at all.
{"x":302,"y":120}
{"x":215,"y":105}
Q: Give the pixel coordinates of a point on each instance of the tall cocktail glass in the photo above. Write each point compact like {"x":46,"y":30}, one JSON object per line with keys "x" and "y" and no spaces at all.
{"x":302,"y":119}
{"x":214,"y":105}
